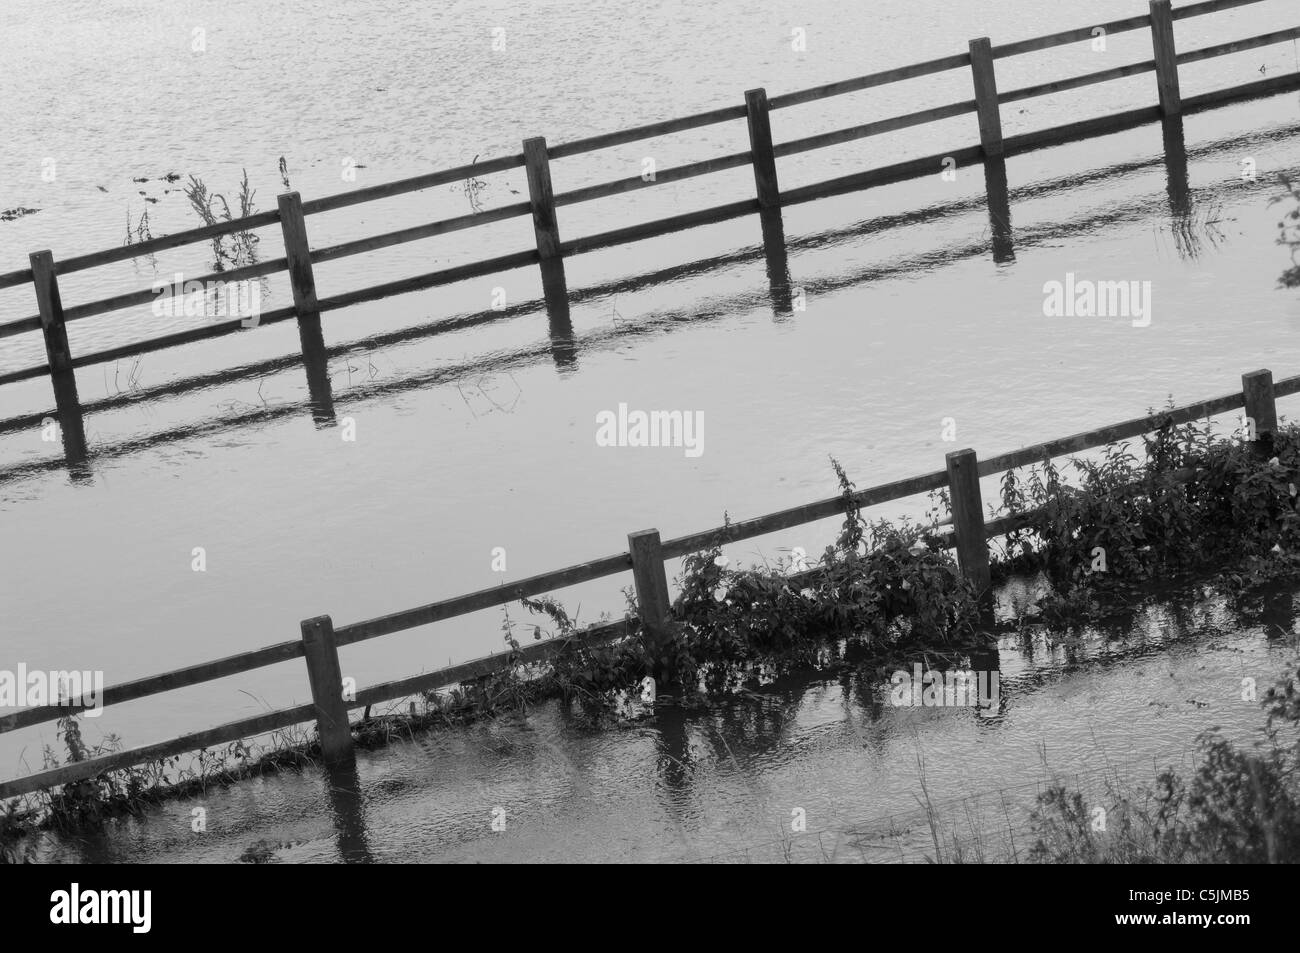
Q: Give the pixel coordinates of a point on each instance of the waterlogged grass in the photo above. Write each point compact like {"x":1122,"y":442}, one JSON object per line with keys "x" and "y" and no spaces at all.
{"x":1185,"y":505}
{"x":88,"y":804}
{"x":1194,"y":505}
{"x":1240,"y":805}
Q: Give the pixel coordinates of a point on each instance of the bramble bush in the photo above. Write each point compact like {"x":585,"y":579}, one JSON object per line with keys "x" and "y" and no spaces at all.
{"x":1197,"y":503}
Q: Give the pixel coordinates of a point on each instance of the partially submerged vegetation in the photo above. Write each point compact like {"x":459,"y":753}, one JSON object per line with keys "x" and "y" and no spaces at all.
{"x":88,"y":804}
{"x":235,"y":249}
{"x":1239,"y":805}
{"x":1195,"y":504}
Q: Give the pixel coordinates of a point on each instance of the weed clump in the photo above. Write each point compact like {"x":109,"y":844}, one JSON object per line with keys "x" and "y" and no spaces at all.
{"x":233,"y":250}
{"x":88,"y":804}
{"x":1195,"y":504}
{"x":877,"y":586}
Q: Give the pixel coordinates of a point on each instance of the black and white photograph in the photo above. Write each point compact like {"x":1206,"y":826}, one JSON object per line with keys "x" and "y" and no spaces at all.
{"x":624,"y":432}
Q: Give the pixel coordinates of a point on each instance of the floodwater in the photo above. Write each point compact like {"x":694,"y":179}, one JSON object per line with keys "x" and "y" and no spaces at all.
{"x":475,"y":438}
{"x":807,"y":769}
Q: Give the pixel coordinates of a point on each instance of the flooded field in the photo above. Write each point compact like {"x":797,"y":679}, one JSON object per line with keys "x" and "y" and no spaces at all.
{"x":475,"y":462}
{"x":1098,"y":709}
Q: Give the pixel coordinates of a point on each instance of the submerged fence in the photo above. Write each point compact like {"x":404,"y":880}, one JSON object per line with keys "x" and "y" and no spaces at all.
{"x":645,"y":558}
{"x":551,"y":250}
{"x":646,"y":553}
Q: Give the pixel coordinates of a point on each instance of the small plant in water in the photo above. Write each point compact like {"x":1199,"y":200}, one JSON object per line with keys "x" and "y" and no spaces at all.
{"x":140,"y":232}
{"x":473,"y":187}
{"x":236,"y":249}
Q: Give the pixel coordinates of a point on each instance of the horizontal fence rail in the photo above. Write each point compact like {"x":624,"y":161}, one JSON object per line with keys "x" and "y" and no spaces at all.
{"x":645,"y":558}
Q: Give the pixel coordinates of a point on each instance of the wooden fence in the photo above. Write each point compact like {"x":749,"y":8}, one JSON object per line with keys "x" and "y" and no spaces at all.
{"x":646,"y":551}
{"x":550,"y":250}
{"x":564,"y":349}
{"x":645,"y":559}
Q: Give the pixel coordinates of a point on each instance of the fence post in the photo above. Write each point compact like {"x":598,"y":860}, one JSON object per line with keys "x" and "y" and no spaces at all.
{"x":760,"y":148}
{"x":327,"y":689}
{"x":968,"y":521}
{"x":651,"y":582}
{"x":998,"y":197}
{"x":986,"y":96}
{"x":59,"y":355}
{"x":537,"y":164}
{"x":1257,"y":389}
{"x":293,"y":228}
{"x":763,"y":159}
{"x":1162,"y":43}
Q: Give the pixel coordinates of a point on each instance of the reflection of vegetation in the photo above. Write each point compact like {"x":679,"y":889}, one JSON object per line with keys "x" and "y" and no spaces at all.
{"x":264,"y":851}
{"x":234,"y":249}
{"x":140,"y":231}
{"x":132,"y":377}
{"x":486,"y":388}
{"x":1290,"y":232}
{"x":1193,"y":231}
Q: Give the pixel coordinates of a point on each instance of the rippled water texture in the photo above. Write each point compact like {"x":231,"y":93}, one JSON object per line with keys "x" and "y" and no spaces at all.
{"x":1098,"y":710}
{"x":470,"y":436}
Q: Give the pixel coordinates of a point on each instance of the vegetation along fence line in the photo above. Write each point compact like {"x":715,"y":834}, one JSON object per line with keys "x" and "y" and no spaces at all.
{"x":645,"y":557}
{"x":550,"y":250}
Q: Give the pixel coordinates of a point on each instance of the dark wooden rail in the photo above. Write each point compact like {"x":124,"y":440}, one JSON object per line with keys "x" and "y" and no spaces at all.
{"x":645,"y":558}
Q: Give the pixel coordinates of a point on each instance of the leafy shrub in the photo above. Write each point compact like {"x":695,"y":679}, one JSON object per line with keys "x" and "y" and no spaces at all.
{"x":1196,"y":502}
{"x":878,"y":585}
